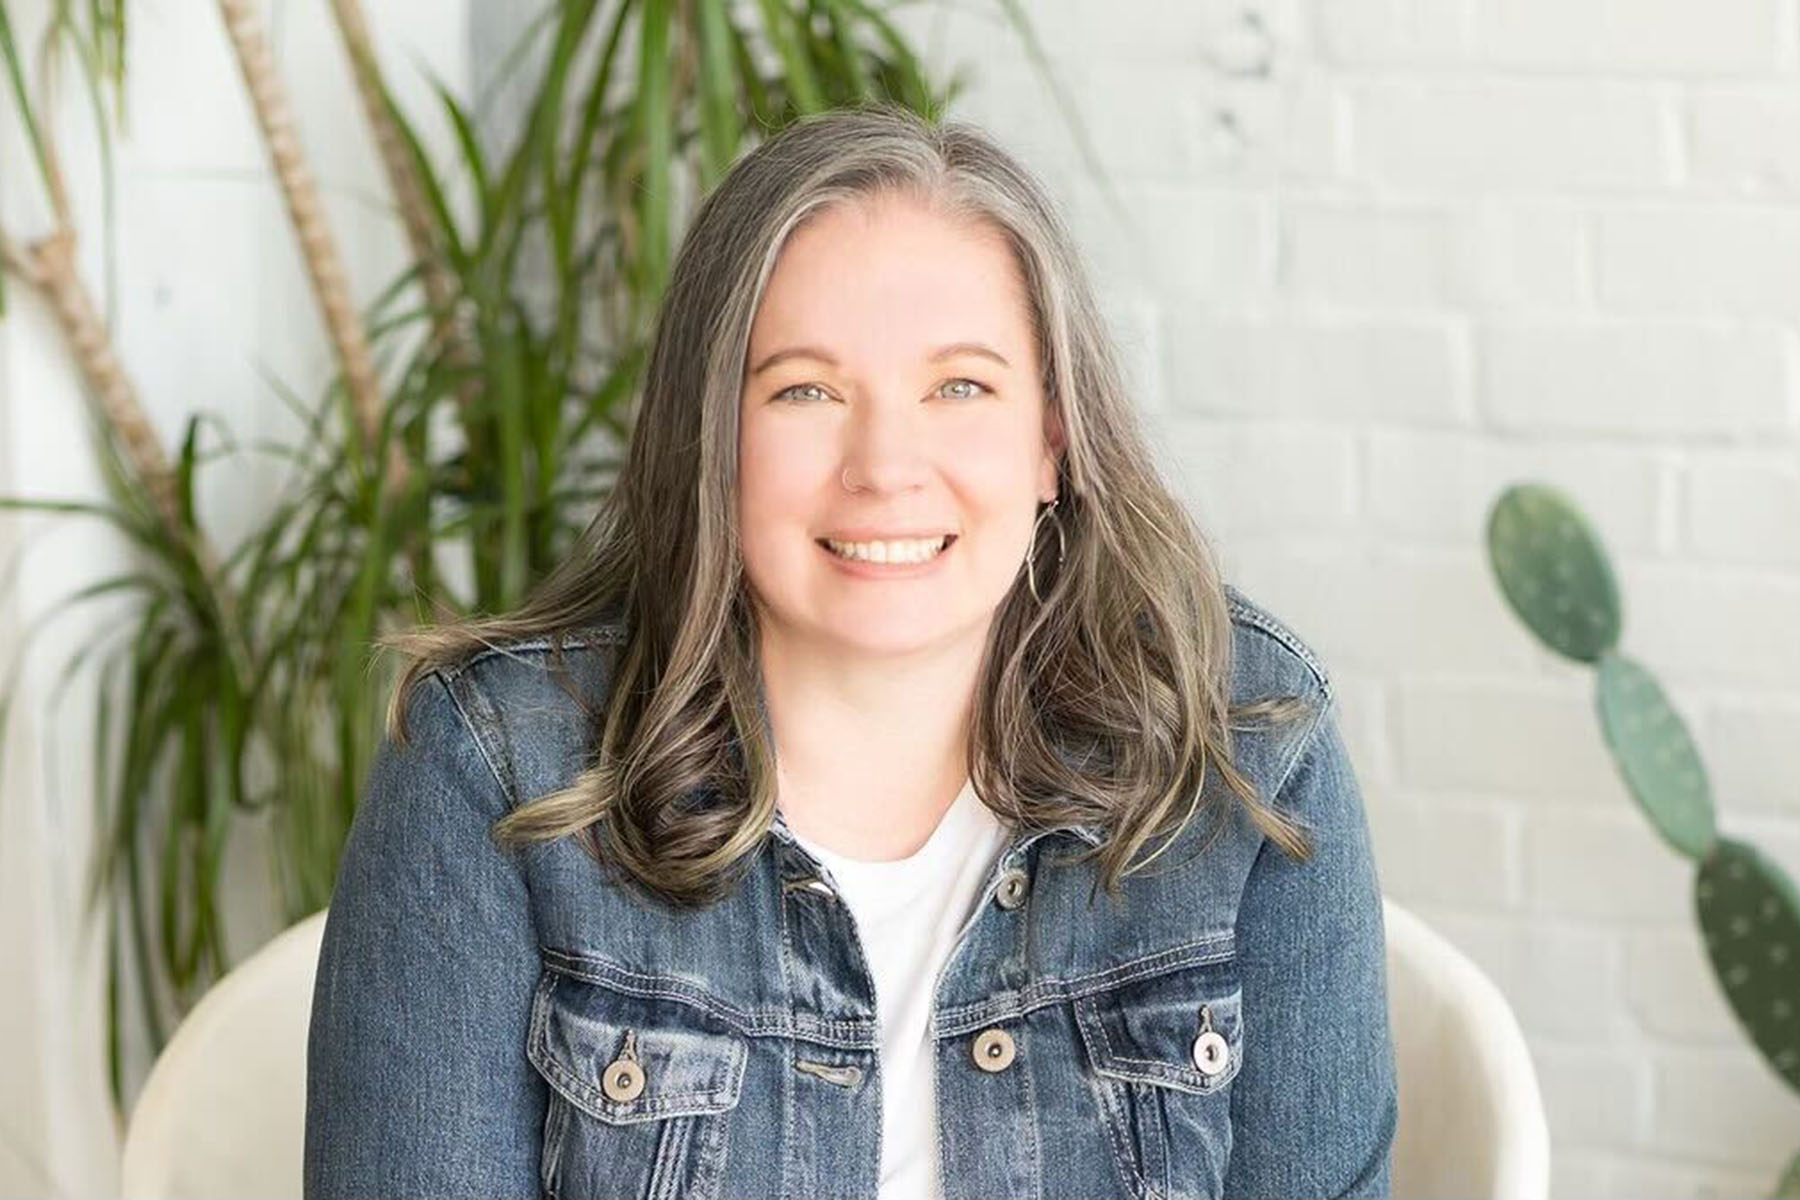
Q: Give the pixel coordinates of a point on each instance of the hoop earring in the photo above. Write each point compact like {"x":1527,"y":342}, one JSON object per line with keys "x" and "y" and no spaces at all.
{"x":1031,"y":555}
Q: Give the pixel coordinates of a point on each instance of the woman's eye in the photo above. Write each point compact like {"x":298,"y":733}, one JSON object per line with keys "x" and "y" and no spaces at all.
{"x":973,"y":384}
{"x":807,"y":391}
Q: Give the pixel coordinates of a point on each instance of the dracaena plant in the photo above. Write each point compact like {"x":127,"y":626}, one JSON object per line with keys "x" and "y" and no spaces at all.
{"x":480,"y":408}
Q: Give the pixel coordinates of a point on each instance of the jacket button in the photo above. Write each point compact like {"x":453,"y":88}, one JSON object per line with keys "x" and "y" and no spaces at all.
{"x":1211,"y":1053}
{"x":623,"y":1079}
{"x":993,"y":1050}
{"x":1013,"y":886}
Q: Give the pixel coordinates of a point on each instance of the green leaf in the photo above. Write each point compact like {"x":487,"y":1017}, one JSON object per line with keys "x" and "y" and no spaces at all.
{"x":719,"y":126}
{"x":15,"y":77}
{"x":780,"y":26}
{"x":467,"y":141}
{"x":451,"y":244}
{"x":912,"y":85}
{"x":1749,"y":916}
{"x":1554,"y":572}
{"x":184,"y":473}
{"x":840,"y":16}
{"x":1656,"y":755}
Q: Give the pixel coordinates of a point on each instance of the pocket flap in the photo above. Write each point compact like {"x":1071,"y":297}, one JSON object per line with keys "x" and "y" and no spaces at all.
{"x":692,"y":1062}
{"x":1145,"y":1031}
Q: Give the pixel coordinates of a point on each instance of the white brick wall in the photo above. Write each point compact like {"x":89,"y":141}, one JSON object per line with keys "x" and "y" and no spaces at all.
{"x":1443,"y":245}
{"x":1382,"y":258}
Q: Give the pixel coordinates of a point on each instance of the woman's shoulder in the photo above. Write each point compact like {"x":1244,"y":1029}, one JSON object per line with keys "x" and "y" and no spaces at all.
{"x":1268,"y":657}
{"x":530,"y":702}
{"x":533,"y":654}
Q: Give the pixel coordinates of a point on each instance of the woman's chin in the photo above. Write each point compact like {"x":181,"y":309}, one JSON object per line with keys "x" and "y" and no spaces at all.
{"x":890,"y":634}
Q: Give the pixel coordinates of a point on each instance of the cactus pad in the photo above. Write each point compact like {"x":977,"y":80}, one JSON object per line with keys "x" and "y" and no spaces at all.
{"x":1750,"y":917}
{"x":1655,"y":754}
{"x":1554,"y":571}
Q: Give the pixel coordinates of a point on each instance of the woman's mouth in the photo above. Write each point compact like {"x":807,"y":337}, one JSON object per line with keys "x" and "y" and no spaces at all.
{"x":887,"y":560}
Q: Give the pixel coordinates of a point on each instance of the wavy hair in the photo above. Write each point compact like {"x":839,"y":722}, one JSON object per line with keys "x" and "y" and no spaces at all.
{"x":1102,"y":705}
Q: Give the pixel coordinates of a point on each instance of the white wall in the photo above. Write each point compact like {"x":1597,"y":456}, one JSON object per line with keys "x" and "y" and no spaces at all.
{"x":1397,"y":253}
{"x":211,"y":296}
{"x":1435,"y":247}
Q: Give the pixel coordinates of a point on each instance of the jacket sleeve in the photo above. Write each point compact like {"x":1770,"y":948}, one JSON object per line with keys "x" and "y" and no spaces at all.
{"x":417,"y":1081}
{"x":1314,"y":1106}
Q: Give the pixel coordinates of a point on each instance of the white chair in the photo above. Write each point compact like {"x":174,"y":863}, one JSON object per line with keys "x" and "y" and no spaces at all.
{"x":223,"y":1113}
{"x":1471,"y":1117}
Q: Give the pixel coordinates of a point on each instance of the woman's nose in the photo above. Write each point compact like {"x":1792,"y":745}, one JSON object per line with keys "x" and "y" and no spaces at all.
{"x":885,"y":450}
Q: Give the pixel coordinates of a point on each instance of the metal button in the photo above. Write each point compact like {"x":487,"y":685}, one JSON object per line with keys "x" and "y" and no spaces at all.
{"x":1013,"y":886}
{"x":1212,"y":1053}
{"x":993,"y":1050}
{"x":623,"y":1079}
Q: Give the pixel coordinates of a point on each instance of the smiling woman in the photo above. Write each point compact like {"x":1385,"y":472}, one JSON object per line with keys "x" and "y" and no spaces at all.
{"x":730,"y":864}
{"x":888,"y":457}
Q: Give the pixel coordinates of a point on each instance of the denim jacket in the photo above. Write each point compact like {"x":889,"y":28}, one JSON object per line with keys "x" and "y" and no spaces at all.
{"x":491,"y":1024}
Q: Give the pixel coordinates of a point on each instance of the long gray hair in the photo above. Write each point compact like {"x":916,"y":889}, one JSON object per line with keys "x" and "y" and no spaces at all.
{"x":1101,"y":705}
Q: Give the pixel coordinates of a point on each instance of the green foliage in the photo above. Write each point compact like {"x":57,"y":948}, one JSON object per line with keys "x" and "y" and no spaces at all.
{"x":247,"y":687}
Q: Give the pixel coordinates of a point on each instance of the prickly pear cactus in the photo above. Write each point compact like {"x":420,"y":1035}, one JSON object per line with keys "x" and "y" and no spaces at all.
{"x":1656,"y":756}
{"x":1554,"y":571}
{"x":1750,"y":918}
{"x":1556,"y":576}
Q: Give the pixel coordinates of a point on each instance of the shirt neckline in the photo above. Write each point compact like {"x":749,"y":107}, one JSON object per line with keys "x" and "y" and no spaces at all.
{"x":958,"y":819}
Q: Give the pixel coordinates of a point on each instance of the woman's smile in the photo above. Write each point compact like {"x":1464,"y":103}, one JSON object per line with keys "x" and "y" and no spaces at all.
{"x":886,"y":560}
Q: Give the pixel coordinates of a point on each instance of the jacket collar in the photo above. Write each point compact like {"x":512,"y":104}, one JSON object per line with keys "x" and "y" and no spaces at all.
{"x":1088,"y":833}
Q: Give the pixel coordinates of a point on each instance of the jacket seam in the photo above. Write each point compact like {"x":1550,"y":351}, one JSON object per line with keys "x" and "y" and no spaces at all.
{"x":1267,"y":625}
{"x":1303,"y":744}
{"x":462,"y":715}
{"x":578,"y":637}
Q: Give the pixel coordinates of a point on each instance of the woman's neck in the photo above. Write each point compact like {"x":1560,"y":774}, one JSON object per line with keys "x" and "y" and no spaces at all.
{"x":871,"y":752}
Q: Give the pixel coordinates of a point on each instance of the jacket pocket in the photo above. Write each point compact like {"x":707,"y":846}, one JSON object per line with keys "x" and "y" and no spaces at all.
{"x":642,"y":1087}
{"x":1162,"y":1051}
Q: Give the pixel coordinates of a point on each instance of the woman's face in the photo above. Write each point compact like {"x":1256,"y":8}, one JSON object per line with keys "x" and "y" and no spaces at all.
{"x":895,"y":348}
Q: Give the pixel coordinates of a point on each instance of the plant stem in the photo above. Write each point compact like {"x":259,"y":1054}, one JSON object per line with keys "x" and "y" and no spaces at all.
{"x":324,"y":266}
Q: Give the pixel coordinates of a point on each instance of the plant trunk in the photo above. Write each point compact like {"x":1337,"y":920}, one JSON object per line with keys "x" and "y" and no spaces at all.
{"x":403,"y":180}
{"x":324,"y":266}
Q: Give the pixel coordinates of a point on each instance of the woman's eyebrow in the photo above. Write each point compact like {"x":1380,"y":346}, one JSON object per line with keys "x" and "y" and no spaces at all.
{"x":940,"y":354}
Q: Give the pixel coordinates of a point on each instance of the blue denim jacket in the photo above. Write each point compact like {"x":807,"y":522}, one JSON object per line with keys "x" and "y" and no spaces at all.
{"x":493,"y":1024}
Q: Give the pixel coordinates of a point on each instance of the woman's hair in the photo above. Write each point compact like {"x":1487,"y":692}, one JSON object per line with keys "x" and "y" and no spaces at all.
{"x":1102,"y":705}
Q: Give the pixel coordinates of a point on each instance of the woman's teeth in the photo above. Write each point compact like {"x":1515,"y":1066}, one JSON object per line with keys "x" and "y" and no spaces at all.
{"x":889,"y":552}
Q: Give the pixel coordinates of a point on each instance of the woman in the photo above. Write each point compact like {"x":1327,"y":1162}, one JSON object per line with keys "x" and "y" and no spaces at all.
{"x":795,"y":838}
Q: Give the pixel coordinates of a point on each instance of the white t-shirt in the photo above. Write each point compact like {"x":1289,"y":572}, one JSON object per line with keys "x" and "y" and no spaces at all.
{"x":908,"y":913}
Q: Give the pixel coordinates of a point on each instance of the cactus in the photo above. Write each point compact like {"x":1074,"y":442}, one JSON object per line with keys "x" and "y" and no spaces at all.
{"x":1555,"y":574}
{"x":1750,"y":917}
{"x":1655,"y":755}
